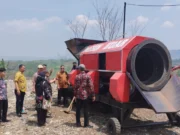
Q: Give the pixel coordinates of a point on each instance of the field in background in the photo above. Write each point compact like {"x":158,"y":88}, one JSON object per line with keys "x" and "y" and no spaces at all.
{"x":31,"y":66}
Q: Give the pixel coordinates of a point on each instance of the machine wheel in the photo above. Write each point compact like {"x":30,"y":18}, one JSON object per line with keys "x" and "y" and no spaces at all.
{"x":114,"y":126}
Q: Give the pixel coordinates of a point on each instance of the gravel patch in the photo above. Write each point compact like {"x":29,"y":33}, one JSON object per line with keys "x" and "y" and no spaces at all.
{"x":64,"y":124}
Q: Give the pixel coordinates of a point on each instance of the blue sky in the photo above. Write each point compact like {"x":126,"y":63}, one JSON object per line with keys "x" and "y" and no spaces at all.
{"x":38,"y":28}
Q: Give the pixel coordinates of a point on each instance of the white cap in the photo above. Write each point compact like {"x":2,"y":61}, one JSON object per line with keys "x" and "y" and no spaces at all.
{"x":40,"y":66}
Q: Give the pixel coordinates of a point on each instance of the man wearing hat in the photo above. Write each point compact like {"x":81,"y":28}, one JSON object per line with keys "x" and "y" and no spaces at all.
{"x":74,"y":66}
{"x":83,"y":88}
{"x":3,"y":97}
{"x":40,"y":69}
{"x":43,"y":92}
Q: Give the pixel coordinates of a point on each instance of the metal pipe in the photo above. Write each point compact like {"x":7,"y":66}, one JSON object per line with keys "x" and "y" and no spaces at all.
{"x":124,"y":20}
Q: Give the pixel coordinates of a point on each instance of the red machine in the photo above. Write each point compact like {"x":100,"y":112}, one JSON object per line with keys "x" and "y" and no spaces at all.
{"x":129,"y":73}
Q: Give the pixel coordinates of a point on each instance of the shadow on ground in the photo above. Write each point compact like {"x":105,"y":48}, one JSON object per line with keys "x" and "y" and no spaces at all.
{"x":100,"y":120}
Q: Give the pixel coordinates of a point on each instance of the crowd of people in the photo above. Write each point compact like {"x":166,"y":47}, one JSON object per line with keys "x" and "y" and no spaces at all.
{"x":82,"y":89}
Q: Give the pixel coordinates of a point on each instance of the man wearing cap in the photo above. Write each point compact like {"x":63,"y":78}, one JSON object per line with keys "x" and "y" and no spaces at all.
{"x":20,"y":89}
{"x":74,"y":66}
{"x":3,"y":97}
{"x":45,"y":69}
{"x":40,"y":69}
{"x":83,"y":88}
{"x":43,"y":91}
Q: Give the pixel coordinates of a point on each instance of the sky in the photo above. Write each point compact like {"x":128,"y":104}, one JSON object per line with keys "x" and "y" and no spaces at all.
{"x":39,"y":29}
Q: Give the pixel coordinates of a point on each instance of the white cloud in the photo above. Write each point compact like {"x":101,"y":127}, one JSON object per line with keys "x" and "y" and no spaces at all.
{"x":140,"y":20}
{"x":83,"y":19}
{"x":166,"y":8}
{"x":167,"y":24}
{"x":22,"y":25}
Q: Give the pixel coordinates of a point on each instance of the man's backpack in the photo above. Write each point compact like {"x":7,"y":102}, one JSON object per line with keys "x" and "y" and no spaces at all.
{"x":39,"y":86}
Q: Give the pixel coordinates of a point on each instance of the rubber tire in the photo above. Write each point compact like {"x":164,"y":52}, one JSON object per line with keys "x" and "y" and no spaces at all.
{"x":114,"y":126}
{"x":158,"y":85}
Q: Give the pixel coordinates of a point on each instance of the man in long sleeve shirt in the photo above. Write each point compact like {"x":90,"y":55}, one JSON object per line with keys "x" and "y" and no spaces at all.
{"x":43,"y":91}
{"x":3,"y":97}
{"x":83,"y":88}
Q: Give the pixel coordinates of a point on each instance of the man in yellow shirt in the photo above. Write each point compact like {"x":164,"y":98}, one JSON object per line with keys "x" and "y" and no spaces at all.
{"x":62,"y":84}
{"x":20,"y":89}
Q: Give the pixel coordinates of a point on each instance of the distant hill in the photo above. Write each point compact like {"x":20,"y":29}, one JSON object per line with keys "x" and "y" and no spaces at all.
{"x":32,"y":62}
{"x":31,"y":66}
{"x":175,"y":54}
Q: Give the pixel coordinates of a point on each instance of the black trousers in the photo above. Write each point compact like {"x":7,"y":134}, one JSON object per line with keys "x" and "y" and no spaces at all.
{"x":41,"y":116}
{"x":79,"y":105}
{"x":19,"y":101}
{"x":62,"y":93}
{"x":3,"y":109}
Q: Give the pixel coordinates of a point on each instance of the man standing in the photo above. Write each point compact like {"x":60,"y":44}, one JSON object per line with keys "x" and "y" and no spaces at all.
{"x":74,"y":66}
{"x":62,"y":78}
{"x":20,"y":89}
{"x":3,"y":97}
{"x":43,"y":92}
{"x":45,"y":69}
{"x":40,"y":69}
{"x":83,"y":88}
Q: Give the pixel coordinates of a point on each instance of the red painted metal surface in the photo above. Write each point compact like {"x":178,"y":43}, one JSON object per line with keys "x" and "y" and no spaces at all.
{"x":175,"y":68}
{"x":95,"y":78}
{"x":113,"y":60}
{"x":72,"y":76}
{"x":90,"y":60}
{"x":116,"y":54}
{"x":122,"y":45}
{"x":119,"y":87}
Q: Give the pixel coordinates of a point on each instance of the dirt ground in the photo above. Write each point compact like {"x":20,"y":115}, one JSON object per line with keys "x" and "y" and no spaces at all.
{"x":64,"y":124}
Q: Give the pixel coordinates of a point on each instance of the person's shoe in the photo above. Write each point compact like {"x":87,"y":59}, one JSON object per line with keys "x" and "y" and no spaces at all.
{"x":78,"y":125}
{"x":19,"y":115}
{"x":41,"y":125}
{"x":61,"y":105}
{"x":49,"y":115}
{"x":6,"y":120}
{"x":88,"y":126}
{"x":23,"y":112}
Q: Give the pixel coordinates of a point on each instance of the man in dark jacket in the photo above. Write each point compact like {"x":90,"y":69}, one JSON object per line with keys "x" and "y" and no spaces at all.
{"x":82,"y":90}
{"x":43,"y":92}
{"x":74,"y":66}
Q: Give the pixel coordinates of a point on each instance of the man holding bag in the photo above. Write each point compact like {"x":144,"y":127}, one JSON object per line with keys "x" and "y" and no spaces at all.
{"x":43,"y":98}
